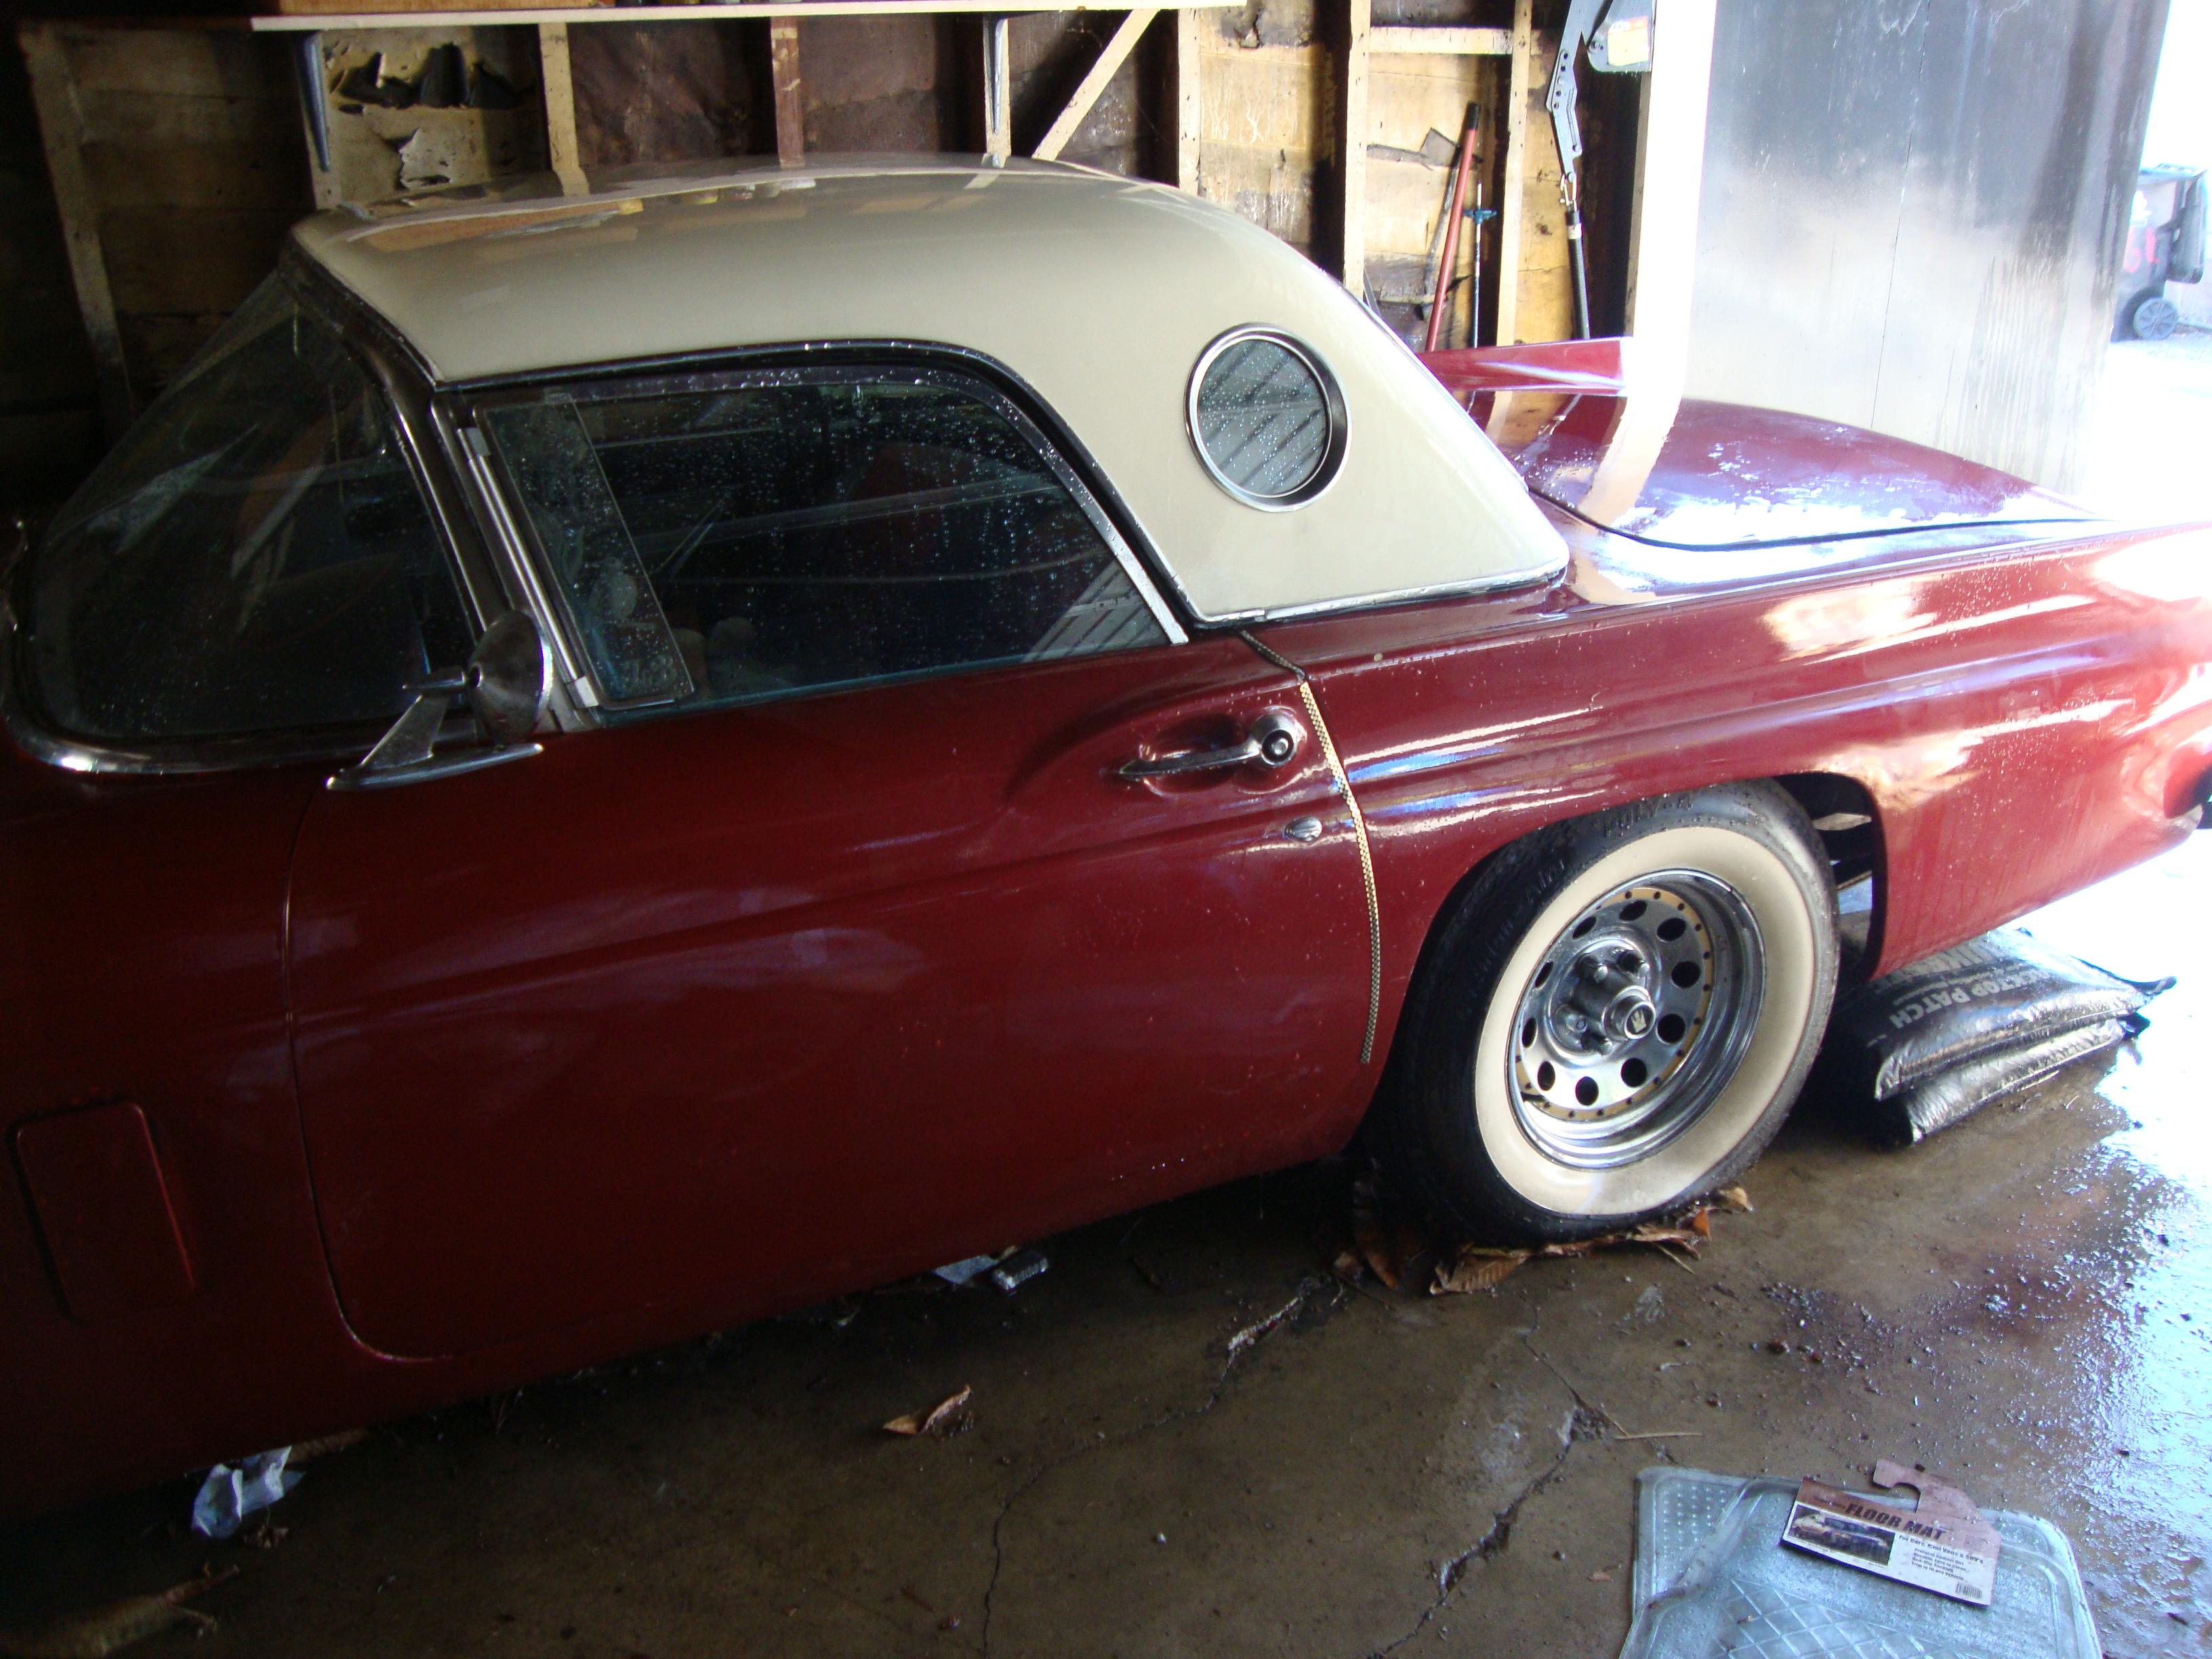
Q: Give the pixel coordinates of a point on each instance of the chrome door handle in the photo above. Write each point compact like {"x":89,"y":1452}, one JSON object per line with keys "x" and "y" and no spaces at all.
{"x":1272,"y":739}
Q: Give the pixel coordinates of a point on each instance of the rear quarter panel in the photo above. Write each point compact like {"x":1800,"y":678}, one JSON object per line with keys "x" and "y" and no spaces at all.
{"x":2027,"y":718}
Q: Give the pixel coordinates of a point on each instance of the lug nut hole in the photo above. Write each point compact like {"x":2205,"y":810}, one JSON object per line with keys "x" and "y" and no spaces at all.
{"x":1671,"y":1027}
{"x":1545,"y":1076}
{"x":1634,"y":1072}
{"x":1586,"y":1090}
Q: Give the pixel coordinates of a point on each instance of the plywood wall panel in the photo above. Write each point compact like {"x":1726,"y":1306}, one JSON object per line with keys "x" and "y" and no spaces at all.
{"x":189,"y":143}
{"x":1266,"y":125}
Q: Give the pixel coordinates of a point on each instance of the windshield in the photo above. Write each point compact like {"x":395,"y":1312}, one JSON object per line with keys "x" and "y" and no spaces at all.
{"x":254,"y":556}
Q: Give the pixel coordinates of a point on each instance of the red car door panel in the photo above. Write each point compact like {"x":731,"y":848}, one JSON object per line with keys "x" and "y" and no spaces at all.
{"x":742,"y":997}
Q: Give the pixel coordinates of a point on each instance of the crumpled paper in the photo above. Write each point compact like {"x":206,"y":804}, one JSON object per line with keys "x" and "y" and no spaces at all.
{"x":228,"y":1495}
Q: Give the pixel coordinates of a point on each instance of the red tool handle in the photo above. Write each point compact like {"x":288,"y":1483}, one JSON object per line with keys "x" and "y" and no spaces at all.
{"x":1437,"y":302}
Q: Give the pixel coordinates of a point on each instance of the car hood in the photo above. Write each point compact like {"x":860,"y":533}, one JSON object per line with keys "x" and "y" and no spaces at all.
{"x":1684,"y":473}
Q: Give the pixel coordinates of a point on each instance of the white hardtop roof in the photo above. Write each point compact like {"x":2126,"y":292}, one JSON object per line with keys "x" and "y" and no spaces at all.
{"x":1098,"y":292}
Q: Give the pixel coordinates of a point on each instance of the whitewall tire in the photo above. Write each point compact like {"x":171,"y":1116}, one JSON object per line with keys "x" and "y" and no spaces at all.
{"x":1616,"y":1016}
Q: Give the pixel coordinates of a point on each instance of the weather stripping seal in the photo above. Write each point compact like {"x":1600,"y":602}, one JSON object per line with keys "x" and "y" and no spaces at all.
{"x":1359,"y":836}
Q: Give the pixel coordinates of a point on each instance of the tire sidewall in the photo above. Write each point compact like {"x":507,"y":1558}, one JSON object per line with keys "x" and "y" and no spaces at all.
{"x":1477,"y":1167}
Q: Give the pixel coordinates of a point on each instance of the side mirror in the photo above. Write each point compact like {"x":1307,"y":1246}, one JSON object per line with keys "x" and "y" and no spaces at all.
{"x":509,"y":680}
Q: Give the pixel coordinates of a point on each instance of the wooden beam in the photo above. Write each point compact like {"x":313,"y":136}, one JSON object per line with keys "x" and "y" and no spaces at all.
{"x":1190,"y":102}
{"x":61,"y":128}
{"x":1510,"y":192}
{"x":1353,"y":135}
{"x":998,"y":92}
{"x":1119,"y":45}
{"x":1450,"y":42}
{"x":783,"y":74}
{"x":707,"y":10}
{"x":561,"y":150}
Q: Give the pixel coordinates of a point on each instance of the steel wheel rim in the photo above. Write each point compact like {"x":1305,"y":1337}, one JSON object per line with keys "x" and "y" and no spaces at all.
{"x":1635,"y":1017}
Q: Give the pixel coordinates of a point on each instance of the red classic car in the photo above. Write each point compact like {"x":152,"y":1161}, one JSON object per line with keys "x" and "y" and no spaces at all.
{"x":605,"y":764}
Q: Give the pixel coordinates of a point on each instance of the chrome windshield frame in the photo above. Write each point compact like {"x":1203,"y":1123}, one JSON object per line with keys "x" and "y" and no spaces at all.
{"x":407,"y":386}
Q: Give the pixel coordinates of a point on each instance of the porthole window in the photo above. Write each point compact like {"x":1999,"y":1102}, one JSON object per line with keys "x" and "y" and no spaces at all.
{"x":1266,"y":418}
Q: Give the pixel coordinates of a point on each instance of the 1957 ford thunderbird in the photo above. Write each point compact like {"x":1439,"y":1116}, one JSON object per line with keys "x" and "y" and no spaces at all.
{"x":606,"y":764}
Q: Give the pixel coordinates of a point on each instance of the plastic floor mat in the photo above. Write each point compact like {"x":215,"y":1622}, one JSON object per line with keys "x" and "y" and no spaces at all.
{"x":1712,"y":1577}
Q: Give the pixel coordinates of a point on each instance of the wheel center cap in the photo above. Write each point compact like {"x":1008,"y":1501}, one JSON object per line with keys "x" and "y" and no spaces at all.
{"x":1630,"y":1015}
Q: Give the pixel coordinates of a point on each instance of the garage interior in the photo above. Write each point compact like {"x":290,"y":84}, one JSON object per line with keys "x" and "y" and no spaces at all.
{"x":1195,"y":1433}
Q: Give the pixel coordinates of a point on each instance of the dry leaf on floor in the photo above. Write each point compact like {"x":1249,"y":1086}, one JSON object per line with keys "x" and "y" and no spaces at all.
{"x":1480,"y":1267}
{"x":1374,"y":1250}
{"x":1600,"y":1577}
{"x":112,"y":1628}
{"x":1346,"y":1267}
{"x":947,"y":1417}
{"x":1648,"y":1232}
{"x":1475,"y":1268}
{"x":1733,"y":1198}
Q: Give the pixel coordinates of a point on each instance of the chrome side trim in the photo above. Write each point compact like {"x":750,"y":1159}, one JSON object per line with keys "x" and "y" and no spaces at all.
{"x":72,"y":754}
{"x":1546,"y":572}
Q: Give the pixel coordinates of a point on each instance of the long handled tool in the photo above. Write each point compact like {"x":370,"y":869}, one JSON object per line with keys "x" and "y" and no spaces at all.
{"x":1440,"y":299}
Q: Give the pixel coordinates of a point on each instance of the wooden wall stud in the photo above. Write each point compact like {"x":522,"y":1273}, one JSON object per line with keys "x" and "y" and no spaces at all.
{"x":1118,"y":47}
{"x":560,"y":86}
{"x":1352,"y":144}
{"x":61,"y":128}
{"x":783,"y":70}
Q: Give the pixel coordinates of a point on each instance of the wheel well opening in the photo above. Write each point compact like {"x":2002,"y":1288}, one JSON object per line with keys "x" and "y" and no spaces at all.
{"x":1844,"y":816}
{"x":1849,"y":828}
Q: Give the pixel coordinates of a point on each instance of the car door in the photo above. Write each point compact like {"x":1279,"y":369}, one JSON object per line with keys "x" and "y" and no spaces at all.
{"x":845,"y":943}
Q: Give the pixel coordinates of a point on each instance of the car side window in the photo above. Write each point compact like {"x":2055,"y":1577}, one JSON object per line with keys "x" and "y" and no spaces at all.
{"x":255,"y":557}
{"x":785,"y":531}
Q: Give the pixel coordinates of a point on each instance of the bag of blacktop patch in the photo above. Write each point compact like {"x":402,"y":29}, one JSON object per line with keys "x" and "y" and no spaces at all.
{"x":1930,"y":1043}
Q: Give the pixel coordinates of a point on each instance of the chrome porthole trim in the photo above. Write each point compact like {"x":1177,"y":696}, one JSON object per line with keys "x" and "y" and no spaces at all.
{"x":1331,"y":461}
{"x":1635,"y":1017}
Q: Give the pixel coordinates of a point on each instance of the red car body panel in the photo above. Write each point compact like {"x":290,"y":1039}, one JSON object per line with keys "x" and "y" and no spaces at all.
{"x":834,"y":986}
{"x":689,"y":1020}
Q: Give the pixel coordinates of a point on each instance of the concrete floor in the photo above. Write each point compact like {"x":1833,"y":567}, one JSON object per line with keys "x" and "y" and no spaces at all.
{"x":2022,"y":1301}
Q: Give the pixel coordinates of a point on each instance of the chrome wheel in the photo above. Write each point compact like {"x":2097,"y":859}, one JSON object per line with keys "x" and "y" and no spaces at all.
{"x":1635,"y":1019}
